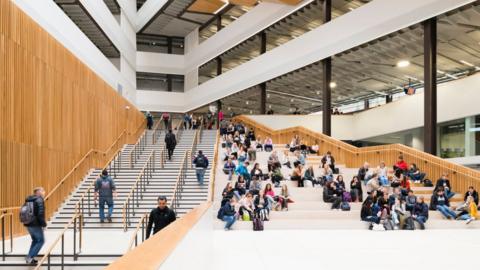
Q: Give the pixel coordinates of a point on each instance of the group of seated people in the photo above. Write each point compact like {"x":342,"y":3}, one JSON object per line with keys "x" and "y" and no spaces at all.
{"x":390,"y":201}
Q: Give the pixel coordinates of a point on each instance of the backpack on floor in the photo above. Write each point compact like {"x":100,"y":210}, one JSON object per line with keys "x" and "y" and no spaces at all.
{"x":345,"y":206}
{"x":388,"y":225}
{"x":409,"y":225}
{"x":427,"y":183}
{"x":336,"y":171}
{"x":246,"y":216}
{"x":27,"y":214}
{"x":377,"y":227}
{"x":257,"y":223}
{"x":347,"y":197}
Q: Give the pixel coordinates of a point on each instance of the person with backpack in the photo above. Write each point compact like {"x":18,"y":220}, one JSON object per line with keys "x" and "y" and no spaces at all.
{"x":166,"y":119}
{"x":228,"y":214}
{"x":161,"y":216}
{"x":201,"y":164}
{"x":32,"y":215}
{"x":170,"y":142}
{"x":105,"y":190}
{"x":186,"y":119}
{"x":330,"y":195}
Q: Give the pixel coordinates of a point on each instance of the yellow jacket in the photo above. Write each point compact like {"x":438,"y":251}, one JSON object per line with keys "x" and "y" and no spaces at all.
{"x":473,"y":209}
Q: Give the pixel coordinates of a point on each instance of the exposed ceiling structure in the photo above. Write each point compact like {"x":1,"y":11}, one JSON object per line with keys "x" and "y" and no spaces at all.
{"x":113,"y":6}
{"x":80,"y":16}
{"x":228,"y":15}
{"x":365,"y":72}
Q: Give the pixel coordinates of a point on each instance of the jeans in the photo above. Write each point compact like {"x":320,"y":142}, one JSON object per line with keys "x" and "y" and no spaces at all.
{"x":101,"y":205}
{"x":446,"y":211}
{"x":373,"y":219}
{"x":465,"y":217}
{"x":229,"y":221}
{"x":38,"y":239}
{"x":421,"y":219}
{"x":200,"y":174}
{"x":383,"y":181}
{"x":229,"y":172}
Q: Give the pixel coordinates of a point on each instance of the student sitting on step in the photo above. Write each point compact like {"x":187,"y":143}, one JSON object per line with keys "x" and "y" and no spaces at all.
{"x":372,"y":185}
{"x":382,"y":173}
{"x":286,"y":160}
{"x":269,"y":194}
{"x":262,"y":206}
{"x":330,"y":195}
{"x":415,"y":174}
{"x":257,"y":172}
{"x":228,"y":213}
{"x":277,"y":175}
{"x":258,"y":143}
{"x":284,"y":197}
{"x":268,"y":145}
{"x":420,"y":212}
{"x":366,"y":214}
{"x":410,"y":201}
{"x":471,"y":192}
{"x":364,"y":173}
{"x":444,"y":183}
{"x":399,"y":213}
{"x":340,"y":184}
{"x":329,"y":160}
{"x":273,"y":161}
{"x":246,"y":207}
{"x":227,"y":193}
{"x":326,"y":173}
{"x":356,"y":191}
{"x":440,"y":202}
{"x":300,"y":157}
{"x":242,"y":170}
{"x":468,"y":210}
{"x":400,"y":165}
{"x":297,"y":174}
{"x":255,"y":185}
{"x":229,"y":168}
{"x":314,"y":148}
{"x":240,"y":187}
{"x":309,"y":175}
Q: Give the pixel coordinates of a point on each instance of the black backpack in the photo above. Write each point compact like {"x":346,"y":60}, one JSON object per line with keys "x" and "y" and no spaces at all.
{"x":220,"y":213}
{"x":409,"y":225}
{"x":201,"y":161}
{"x":27,"y":212}
{"x":427,"y":183}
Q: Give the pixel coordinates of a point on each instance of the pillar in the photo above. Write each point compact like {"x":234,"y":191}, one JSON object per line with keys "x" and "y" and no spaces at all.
{"x":430,"y":77}
{"x":327,"y":78}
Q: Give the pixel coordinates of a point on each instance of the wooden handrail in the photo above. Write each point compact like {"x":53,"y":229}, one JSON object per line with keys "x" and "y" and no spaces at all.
{"x":140,"y":225}
{"x":76,"y":216}
{"x":211,"y":190}
{"x":136,"y":186}
{"x":461,"y":177}
{"x":155,"y":130}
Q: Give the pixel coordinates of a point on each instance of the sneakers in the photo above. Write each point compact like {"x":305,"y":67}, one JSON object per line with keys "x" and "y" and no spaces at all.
{"x":422,"y":226}
{"x":109,"y":219}
{"x":31,"y":261}
{"x":470,"y":220}
{"x":102,"y":221}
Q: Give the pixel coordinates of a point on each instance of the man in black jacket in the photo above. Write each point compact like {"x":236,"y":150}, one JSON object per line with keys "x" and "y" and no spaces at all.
{"x":160,"y":216}
{"x":471,"y":192}
{"x":36,"y":226}
{"x":170,"y":142}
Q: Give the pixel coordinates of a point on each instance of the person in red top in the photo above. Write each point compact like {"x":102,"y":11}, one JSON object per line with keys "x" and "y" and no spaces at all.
{"x":400,"y":164}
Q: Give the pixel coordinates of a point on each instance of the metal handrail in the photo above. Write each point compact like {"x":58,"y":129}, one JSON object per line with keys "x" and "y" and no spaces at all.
{"x":177,"y":191}
{"x":2,"y":218}
{"x":80,"y":205}
{"x":193,"y":148}
{"x":61,"y":238}
{"x":137,"y":149}
{"x":141,"y":225}
{"x":137,"y":190}
{"x":156,"y":132}
{"x":163,"y":156}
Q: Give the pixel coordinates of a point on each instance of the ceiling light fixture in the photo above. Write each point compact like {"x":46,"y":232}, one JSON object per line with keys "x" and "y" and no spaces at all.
{"x":403,"y":63}
{"x":333,"y":84}
{"x":318,"y":92}
{"x":268,"y":95}
{"x":229,"y":108}
{"x":467,"y":63}
{"x":292,"y":100}
{"x":269,"y":106}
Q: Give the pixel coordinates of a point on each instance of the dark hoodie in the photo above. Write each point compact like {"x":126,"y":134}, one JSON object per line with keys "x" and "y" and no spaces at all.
{"x":38,"y":211}
{"x":105,"y":187}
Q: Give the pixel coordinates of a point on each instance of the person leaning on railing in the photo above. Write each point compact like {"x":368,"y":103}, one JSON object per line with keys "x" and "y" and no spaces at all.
{"x":32,"y":215}
{"x":161,"y":216}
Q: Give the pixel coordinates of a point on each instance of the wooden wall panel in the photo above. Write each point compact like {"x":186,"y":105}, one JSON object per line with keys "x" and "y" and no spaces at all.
{"x":53,"y":111}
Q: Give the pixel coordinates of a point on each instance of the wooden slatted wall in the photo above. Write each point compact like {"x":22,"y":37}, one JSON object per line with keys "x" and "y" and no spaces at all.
{"x":53,"y":108}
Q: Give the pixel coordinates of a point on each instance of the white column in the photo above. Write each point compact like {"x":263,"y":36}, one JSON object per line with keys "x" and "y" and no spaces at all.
{"x":127,"y":69}
{"x":469,"y":136}
{"x":191,"y":77}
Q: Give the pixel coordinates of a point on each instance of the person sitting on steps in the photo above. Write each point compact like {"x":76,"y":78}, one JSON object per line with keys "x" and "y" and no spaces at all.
{"x":297,"y":174}
{"x":440,"y":203}
{"x":330,"y":195}
{"x":444,"y":183}
{"x":420,"y":212}
{"x":329,"y":160}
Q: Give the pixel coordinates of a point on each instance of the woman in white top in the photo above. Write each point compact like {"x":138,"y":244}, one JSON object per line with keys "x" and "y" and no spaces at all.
{"x":382,"y":172}
{"x":235,"y":150}
{"x":268,"y":144}
{"x":246,"y":205}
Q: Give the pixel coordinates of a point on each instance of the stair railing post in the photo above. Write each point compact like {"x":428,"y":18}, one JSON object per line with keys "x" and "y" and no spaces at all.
{"x":63,"y":252}
{"x":3,"y":238}
{"x":75,"y":239}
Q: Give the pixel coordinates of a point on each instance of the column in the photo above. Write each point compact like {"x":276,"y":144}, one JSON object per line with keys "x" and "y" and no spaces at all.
{"x":327,"y":78}
{"x":469,"y":136}
{"x":263,"y":86}
{"x":430,"y":77}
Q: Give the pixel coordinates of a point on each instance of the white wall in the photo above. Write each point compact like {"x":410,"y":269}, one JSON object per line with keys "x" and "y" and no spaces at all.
{"x":160,"y":101}
{"x":147,"y":11}
{"x":456,"y":99}
{"x":191,"y":43}
{"x":53,"y":20}
{"x":195,"y":251}
{"x":160,"y":63}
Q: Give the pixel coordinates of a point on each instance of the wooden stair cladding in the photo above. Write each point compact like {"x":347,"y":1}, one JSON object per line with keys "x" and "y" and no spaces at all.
{"x":460,"y":176}
{"x":54,"y":112}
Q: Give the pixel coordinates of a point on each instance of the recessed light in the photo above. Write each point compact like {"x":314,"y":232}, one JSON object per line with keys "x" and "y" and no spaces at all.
{"x":318,"y":92}
{"x":403,"y":63}
{"x":268,"y":95}
{"x":229,"y":108}
{"x":246,"y":102}
{"x":292,"y":100}
{"x":333,"y":84}
{"x":251,"y":112}
{"x":466,"y":63}
{"x":269,"y":106}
